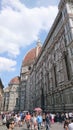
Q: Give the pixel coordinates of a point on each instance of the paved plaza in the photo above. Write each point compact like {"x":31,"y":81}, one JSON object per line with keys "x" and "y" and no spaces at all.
{"x":55,"y":126}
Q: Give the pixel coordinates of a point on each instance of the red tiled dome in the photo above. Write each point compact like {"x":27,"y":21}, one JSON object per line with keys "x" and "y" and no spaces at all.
{"x":15,"y":80}
{"x":30,"y":57}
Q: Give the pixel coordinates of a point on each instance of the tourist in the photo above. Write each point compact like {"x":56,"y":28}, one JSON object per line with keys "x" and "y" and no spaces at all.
{"x":47,"y":119}
{"x":66,"y":123}
{"x":70,"y":126}
{"x":10,"y":124}
{"x":39,"y":121}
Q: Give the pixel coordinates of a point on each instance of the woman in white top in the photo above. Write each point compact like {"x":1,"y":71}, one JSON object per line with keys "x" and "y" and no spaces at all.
{"x":70,"y":126}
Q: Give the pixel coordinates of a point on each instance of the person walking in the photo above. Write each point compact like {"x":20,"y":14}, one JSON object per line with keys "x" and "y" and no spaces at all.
{"x":34,"y":121}
{"x":10,"y":124}
{"x":47,"y":119}
{"x":39,"y":121}
{"x":66,"y":123}
{"x":28,"y":120}
{"x":70,"y":126}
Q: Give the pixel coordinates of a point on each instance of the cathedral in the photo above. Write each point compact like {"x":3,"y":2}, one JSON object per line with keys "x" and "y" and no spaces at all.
{"x":15,"y":93}
{"x":46,"y":74}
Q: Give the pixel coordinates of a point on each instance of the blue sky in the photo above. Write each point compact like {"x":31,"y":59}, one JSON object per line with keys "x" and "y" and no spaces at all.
{"x":22,"y":23}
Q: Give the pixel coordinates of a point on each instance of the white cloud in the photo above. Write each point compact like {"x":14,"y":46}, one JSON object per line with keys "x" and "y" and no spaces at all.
{"x":7,"y":64}
{"x":20,"y":26}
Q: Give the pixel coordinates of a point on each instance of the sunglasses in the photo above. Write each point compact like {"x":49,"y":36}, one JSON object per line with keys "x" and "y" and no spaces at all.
{"x":12,"y":123}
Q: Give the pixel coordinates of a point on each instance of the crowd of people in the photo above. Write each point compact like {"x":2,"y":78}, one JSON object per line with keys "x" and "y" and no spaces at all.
{"x":36,"y":120}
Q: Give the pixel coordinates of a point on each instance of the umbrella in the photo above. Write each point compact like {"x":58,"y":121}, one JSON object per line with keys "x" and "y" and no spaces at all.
{"x":37,"y":109}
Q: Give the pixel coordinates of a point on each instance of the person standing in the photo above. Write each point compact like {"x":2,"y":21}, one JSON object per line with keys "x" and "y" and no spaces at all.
{"x":10,"y":124}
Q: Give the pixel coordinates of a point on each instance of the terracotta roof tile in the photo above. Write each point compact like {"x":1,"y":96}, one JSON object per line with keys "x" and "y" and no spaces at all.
{"x":30,"y":57}
{"x":15,"y":80}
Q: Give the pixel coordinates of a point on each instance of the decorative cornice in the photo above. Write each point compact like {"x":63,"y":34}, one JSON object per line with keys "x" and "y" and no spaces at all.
{"x":63,"y":2}
{"x":61,"y":87}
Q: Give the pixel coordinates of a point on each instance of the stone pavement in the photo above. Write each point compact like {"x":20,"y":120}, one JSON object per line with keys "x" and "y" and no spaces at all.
{"x":55,"y":126}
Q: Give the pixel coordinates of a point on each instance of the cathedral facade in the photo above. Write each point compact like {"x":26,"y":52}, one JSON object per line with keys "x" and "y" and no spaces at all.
{"x":54,"y":67}
{"x":1,"y":93}
{"x":46,"y":76}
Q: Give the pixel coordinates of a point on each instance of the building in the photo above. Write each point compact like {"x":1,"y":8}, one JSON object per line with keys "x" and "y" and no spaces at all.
{"x":11,"y":95}
{"x":46,"y":75}
{"x":26,"y":68}
{"x":53,"y":69}
{"x":1,"y":93}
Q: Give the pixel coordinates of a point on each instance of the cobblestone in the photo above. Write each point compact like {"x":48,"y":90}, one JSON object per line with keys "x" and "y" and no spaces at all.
{"x":55,"y":126}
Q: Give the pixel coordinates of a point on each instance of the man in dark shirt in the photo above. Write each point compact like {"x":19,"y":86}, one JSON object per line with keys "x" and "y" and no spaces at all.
{"x":47,"y":119}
